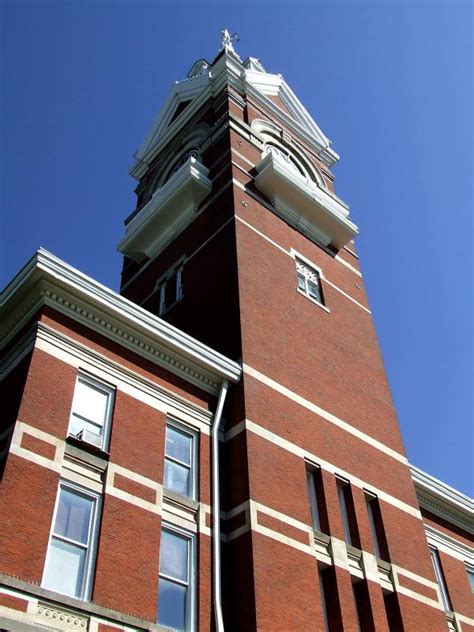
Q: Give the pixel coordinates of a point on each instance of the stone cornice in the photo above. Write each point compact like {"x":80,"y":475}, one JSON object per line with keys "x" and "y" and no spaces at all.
{"x":171,"y":208}
{"x":46,"y":280}
{"x":443,"y":501}
{"x":227,"y":70}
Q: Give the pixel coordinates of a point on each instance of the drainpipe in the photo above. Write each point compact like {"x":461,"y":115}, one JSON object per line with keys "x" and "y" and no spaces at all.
{"x":216,"y":510}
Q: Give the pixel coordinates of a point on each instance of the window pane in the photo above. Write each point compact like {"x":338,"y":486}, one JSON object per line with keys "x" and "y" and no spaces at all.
{"x":77,"y":424}
{"x":313,"y":291}
{"x":301,"y":282}
{"x":174,"y":555}
{"x":170,"y":291}
{"x":172,"y":605}
{"x":90,"y":402}
{"x":65,"y":568}
{"x":73,"y":516}
{"x":178,"y":445}
{"x":177,"y":478}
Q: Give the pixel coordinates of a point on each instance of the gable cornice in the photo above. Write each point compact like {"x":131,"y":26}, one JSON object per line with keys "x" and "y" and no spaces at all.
{"x":47,"y":280}
{"x":443,"y":501}
{"x":227,"y":70}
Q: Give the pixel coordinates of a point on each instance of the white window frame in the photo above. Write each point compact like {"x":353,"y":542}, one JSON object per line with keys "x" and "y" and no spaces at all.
{"x":316,"y":271}
{"x":443,"y":591}
{"x":190,"y":623}
{"x":162,"y":282}
{"x":86,"y":378}
{"x":193,"y":467}
{"x":89,"y":565}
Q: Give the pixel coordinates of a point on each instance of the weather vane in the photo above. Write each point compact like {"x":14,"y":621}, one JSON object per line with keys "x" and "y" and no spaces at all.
{"x":227,"y":41}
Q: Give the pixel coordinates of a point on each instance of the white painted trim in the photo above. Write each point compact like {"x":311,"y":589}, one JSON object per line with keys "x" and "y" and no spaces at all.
{"x":348,"y":266}
{"x":450,"y":546}
{"x":443,"y":500}
{"x":79,"y":356}
{"x":317,"y":410}
{"x":47,"y":280}
{"x":291,"y":253}
{"x":316,"y":461}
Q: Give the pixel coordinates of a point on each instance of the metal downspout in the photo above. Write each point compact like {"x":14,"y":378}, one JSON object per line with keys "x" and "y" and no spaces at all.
{"x":216,"y":510}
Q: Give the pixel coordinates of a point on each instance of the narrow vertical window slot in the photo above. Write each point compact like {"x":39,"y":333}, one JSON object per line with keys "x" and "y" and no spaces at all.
{"x":316,"y":498}
{"x":330,"y":605}
{"x":365,"y":619}
{"x":443,"y":590}
{"x":346,"y":504}
{"x":377,"y":531}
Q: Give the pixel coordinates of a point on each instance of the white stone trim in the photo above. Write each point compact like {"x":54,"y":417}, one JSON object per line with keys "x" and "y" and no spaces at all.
{"x":434,"y":603}
{"x":317,"y":410}
{"x":291,"y":253}
{"x":348,"y":266}
{"x":450,"y":546}
{"x":366,"y":309}
{"x":169,"y":211}
{"x":333,"y":552}
{"x":74,"y":353}
{"x":317,"y":461}
{"x":16,"y":448}
{"x":46,"y":280}
{"x":443,"y":500}
{"x":110,"y":488}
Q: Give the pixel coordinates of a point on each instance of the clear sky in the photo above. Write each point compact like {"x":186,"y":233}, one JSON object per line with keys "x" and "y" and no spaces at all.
{"x":389,"y":82}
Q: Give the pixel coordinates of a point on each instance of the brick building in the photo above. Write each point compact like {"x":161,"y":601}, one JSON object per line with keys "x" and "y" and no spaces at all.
{"x":237,"y":373}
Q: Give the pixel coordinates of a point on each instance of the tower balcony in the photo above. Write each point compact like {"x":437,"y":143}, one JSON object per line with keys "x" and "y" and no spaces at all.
{"x":169,"y":211}
{"x":298,"y":200}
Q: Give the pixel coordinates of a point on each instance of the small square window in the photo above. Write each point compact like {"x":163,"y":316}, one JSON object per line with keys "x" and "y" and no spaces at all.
{"x":180,"y":460}
{"x":309,"y":281}
{"x":91,"y":411}
{"x":170,"y":289}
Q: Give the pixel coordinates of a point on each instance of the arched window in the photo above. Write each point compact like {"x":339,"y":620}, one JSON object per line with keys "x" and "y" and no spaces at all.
{"x":293,"y":155}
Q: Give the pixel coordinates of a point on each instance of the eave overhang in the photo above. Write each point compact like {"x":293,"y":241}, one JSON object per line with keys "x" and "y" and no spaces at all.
{"x":443,"y":501}
{"x":303,"y":204}
{"x":47,"y":280}
{"x":228,"y":70}
{"x":171,"y":208}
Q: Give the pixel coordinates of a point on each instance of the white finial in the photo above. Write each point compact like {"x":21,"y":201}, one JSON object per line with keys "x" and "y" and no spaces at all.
{"x":227,"y":39}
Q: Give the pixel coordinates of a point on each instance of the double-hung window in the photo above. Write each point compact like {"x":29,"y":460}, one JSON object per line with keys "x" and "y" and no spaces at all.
{"x":180,"y":460}
{"x":170,"y":288}
{"x":71,"y":552}
{"x":309,"y":281}
{"x":91,"y":412}
{"x":176,"y":609}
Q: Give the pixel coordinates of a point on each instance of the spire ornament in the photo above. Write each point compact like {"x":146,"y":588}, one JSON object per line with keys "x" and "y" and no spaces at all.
{"x":227,"y":41}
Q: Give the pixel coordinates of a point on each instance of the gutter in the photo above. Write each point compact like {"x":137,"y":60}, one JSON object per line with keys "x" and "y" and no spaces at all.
{"x":216,"y":510}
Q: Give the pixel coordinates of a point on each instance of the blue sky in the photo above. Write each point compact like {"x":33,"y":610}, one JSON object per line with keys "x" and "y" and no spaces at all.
{"x":389,"y":82}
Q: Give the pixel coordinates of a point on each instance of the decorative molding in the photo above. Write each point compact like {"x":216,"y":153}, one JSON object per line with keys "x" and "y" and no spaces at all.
{"x":143,"y":389}
{"x":170,"y":210}
{"x":443,"y":501}
{"x":46,"y":280}
{"x":248,"y":79}
{"x":299,"y":201}
{"x":449,"y":545}
{"x":59,"y":618}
